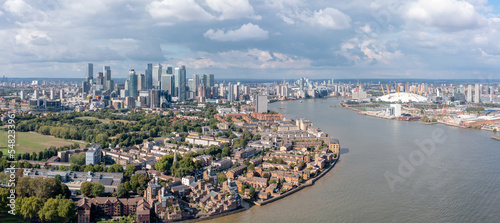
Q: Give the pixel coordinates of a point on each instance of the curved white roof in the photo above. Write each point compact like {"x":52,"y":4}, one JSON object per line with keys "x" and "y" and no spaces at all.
{"x":403,"y":97}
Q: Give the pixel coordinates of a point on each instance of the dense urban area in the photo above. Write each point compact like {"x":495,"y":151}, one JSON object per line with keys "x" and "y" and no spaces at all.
{"x":159,"y":147}
{"x":155,"y":148}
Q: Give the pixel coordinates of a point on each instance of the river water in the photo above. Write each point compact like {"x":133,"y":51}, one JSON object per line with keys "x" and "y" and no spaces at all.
{"x":457,"y":180}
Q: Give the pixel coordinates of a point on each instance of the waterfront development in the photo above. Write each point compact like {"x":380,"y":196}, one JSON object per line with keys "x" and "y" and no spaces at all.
{"x":457,"y":182}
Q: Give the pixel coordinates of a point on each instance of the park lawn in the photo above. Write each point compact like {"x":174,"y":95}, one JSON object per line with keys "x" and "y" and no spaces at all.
{"x":27,"y":142}
{"x":156,"y":139}
{"x":362,"y":108}
{"x":6,"y":217}
{"x":104,"y":121}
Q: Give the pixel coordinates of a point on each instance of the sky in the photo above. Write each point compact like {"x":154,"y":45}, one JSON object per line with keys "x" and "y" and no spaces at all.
{"x":273,"y":39}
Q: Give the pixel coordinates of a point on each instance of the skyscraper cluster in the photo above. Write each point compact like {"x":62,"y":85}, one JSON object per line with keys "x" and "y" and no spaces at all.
{"x":158,"y":85}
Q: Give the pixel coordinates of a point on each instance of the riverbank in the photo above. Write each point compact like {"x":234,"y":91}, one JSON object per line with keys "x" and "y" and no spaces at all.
{"x":308,"y":183}
{"x":393,"y":118}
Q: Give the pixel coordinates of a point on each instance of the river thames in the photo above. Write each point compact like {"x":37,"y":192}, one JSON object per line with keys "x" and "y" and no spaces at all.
{"x":390,"y":172}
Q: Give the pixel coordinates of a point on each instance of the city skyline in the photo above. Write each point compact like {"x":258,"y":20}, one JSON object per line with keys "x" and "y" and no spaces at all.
{"x":241,"y":39}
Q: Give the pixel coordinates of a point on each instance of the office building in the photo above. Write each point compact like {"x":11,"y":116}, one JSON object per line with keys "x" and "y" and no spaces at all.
{"x":469,"y":93}
{"x":157,"y":72}
{"x":132,"y":84}
{"x":155,"y":98}
{"x":167,"y":83}
{"x":149,"y":76}
{"x":141,"y":82}
{"x":180,"y":83}
{"x":89,"y":73}
{"x":261,"y":104}
{"x":477,"y":94}
{"x":93,"y":155}
{"x":230,"y":93}
{"x":195,"y":84}
{"x":395,"y":110}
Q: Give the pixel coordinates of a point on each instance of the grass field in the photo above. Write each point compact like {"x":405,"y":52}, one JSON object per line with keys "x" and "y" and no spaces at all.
{"x":11,"y":218}
{"x":105,"y":121}
{"x":33,"y":142}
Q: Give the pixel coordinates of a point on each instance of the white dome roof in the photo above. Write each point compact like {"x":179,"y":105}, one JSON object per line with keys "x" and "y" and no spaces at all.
{"x":402,"y":97}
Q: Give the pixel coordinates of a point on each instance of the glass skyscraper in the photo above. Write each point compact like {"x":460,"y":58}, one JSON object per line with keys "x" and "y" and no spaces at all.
{"x":180,"y":83}
{"x":132,"y":84}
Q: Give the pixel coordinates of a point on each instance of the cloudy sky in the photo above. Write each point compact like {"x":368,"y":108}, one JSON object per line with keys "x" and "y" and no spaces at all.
{"x":253,"y":39}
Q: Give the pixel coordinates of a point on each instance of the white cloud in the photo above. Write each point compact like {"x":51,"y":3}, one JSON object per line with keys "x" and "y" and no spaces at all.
{"x":328,"y":18}
{"x":32,"y":37}
{"x":367,"y":51}
{"x":445,"y":14}
{"x":245,"y":32}
{"x":17,"y":7}
{"x":183,"y":10}
{"x":252,"y":59}
{"x":233,"y":9}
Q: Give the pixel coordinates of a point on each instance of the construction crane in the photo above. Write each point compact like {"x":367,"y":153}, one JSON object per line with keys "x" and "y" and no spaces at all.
{"x":421,"y":89}
{"x":382,"y":86}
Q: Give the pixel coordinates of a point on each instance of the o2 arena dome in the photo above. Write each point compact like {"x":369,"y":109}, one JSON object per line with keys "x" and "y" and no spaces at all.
{"x":402,"y":97}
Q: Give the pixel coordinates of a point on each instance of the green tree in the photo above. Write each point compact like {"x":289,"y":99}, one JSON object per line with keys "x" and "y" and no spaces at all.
{"x":226,"y":151}
{"x":122,"y":190}
{"x":251,"y":167}
{"x":138,"y":182}
{"x":30,"y":207}
{"x":115,"y":168}
{"x":86,"y":188}
{"x":65,"y":192}
{"x":66,"y":209}
{"x":221,"y":177}
{"x":89,"y":168}
{"x":78,"y":159}
{"x":74,"y":167}
{"x":129,"y":171}
{"x":62,"y":168}
{"x":4,"y":193}
{"x":251,"y":192}
{"x":49,"y":210}
{"x":97,"y":189}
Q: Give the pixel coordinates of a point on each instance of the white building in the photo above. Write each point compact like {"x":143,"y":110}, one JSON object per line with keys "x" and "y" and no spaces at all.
{"x":261,"y":104}
{"x":93,"y":155}
{"x":395,"y":110}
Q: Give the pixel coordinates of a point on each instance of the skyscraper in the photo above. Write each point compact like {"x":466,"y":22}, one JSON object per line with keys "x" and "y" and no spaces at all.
{"x":141,"y":82}
{"x":180,"y":83}
{"x":132,"y":84}
{"x":168,"y":70}
{"x":261,"y":104}
{"x":89,"y":74}
{"x":107,"y":72}
{"x":211,"y":80}
{"x":167,"y":83}
{"x":196,"y":80}
{"x":157,"y":72}
{"x":469,"y":93}
{"x":155,"y":98}
{"x":230,"y":93}
{"x":149,"y":76}
{"x":477,"y":94}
